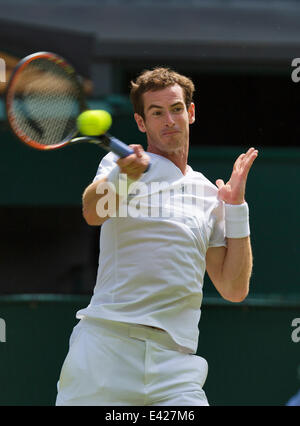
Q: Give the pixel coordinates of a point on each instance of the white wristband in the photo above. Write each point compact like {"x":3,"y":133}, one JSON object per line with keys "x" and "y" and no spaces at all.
{"x":121,"y":181}
{"x":237,"y":220}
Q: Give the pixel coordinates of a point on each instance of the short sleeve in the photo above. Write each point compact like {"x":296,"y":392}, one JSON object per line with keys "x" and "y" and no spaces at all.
{"x":217,"y":220}
{"x":106,"y":165}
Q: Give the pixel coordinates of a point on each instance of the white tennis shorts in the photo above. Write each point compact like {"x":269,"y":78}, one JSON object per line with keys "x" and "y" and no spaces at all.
{"x":113,"y":363}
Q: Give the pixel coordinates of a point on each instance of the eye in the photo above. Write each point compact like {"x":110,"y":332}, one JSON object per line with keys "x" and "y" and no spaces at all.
{"x":178,"y":109}
{"x":157,"y":112}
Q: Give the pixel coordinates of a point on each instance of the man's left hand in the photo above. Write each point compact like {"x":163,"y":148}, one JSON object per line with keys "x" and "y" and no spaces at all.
{"x":233,"y":192}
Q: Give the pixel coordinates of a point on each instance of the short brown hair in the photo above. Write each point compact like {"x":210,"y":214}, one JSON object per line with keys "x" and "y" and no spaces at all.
{"x":157,"y":79}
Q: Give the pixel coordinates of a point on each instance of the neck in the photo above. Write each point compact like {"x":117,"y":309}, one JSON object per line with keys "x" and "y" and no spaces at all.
{"x":179,"y":158}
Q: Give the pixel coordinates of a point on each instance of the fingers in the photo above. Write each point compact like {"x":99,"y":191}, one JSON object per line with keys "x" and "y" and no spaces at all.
{"x":138,"y":150}
{"x":134,"y":164}
{"x":248,"y":160}
{"x":219,"y":183}
{"x":126,"y":161}
{"x":245,"y":161}
{"x":130,"y":159}
{"x":252,"y":152}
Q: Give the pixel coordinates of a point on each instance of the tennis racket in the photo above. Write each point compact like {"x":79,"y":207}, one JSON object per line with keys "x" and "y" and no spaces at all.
{"x":43,"y":100}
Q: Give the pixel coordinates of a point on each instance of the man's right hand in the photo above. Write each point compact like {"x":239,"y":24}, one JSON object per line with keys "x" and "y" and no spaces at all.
{"x":134,"y":165}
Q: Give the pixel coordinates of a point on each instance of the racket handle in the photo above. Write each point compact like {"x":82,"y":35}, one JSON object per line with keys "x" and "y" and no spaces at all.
{"x":120,"y":148}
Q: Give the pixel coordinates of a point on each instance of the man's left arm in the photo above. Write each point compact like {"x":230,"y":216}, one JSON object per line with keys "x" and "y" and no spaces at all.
{"x":229,"y":268}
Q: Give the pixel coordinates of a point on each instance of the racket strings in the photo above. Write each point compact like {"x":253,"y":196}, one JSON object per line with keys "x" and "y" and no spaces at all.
{"x":46,"y":102}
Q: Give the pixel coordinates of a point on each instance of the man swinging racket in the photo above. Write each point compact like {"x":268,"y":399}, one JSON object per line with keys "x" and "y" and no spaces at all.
{"x":136,"y":341}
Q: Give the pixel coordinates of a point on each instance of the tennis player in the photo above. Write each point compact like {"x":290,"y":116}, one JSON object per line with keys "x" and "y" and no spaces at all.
{"x":136,"y":341}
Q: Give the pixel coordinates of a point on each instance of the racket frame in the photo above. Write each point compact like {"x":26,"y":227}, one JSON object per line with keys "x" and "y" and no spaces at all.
{"x":10,"y":94}
{"x":105,"y":141}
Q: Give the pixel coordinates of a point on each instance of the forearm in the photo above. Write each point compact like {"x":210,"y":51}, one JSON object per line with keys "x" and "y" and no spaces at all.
{"x":101,"y":199}
{"x":237,"y":268}
{"x":94,"y":213}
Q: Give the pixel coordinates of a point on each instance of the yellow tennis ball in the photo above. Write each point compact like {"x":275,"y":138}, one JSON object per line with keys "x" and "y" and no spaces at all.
{"x":94,"y":122}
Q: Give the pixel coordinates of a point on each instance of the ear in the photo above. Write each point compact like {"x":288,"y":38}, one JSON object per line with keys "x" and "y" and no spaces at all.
{"x":140,"y":122}
{"x":191,"y":113}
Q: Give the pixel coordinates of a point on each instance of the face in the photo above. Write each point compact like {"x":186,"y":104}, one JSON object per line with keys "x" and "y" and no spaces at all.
{"x":167,"y":120}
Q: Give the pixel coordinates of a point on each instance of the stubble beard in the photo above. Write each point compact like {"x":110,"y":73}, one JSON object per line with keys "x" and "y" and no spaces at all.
{"x":174,"y":146}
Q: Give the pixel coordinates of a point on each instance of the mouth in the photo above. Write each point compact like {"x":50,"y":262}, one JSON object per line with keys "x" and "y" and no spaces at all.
{"x":170,"y":132}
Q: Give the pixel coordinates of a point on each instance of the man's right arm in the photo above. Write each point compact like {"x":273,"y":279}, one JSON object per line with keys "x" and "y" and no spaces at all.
{"x":133,"y":165}
{"x":90,"y":198}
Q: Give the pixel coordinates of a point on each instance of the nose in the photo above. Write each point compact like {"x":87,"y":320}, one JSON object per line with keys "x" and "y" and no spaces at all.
{"x":169,"y":119}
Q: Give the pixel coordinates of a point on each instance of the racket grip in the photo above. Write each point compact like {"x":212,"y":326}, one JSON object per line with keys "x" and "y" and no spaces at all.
{"x":121,"y":148}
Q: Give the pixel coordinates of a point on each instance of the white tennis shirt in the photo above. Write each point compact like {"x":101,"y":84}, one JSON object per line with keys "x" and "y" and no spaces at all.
{"x":152,"y":266}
